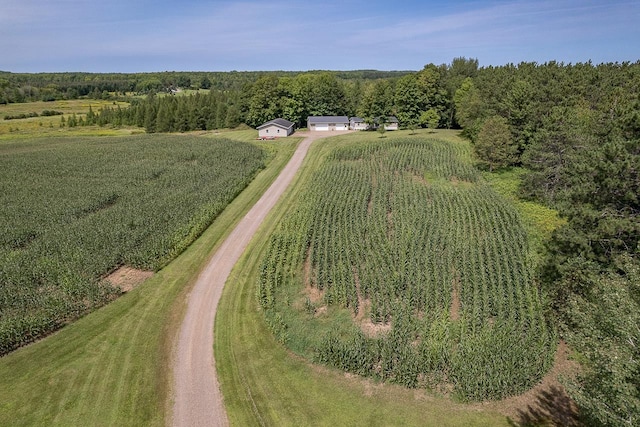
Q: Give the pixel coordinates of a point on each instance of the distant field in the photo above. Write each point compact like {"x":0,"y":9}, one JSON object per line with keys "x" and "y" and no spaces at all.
{"x":45,"y":125}
{"x":183,"y":92}
{"x":74,"y":209}
{"x":399,"y":262}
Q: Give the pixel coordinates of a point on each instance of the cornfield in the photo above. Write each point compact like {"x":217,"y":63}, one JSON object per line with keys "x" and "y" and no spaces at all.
{"x":401,"y":264}
{"x":72,"y":210}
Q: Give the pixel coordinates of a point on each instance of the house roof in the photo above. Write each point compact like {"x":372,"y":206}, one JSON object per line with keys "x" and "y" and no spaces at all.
{"x":281,"y":123}
{"x":357,"y":120}
{"x":327,"y":119}
{"x":389,"y":120}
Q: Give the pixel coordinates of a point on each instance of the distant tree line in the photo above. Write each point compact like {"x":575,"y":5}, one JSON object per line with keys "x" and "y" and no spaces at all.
{"x":44,"y":113}
{"x":422,"y":98}
{"x":201,"y":111}
{"x":418,"y":99}
{"x":27,"y":87}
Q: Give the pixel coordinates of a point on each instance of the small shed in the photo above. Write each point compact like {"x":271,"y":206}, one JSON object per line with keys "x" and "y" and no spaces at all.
{"x":276,"y":128}
{"x":327,"y":123}
{"x":357,"y":123}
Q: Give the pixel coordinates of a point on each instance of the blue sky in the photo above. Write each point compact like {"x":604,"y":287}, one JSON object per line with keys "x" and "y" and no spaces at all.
{"x":199,"y":35}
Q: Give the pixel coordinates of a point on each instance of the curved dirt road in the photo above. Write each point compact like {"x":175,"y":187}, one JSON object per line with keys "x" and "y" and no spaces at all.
{"x":196,"y":392}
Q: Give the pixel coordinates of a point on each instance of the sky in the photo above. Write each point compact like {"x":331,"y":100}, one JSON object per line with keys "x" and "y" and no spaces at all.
{"x":296,"y":35}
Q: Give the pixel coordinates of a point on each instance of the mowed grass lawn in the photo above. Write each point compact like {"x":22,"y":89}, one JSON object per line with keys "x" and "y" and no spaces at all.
{"x":265,"y":384}
{"x":111,"y":367}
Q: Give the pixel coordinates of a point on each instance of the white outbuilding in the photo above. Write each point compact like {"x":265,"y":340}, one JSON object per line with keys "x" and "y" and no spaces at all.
{"x":276,"y":128}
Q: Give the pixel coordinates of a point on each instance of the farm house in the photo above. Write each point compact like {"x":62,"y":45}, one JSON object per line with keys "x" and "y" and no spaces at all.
{"x":327,"y":123}
{"x":357,"y":123}
{"x":277,"y":128}
{"x":391,"y":123}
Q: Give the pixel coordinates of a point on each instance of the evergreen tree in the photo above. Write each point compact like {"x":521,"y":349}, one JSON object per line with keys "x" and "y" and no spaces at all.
{"x":165,"y":117}
{"x":494,"y":145}
{"x":604,"y":327}
{"x":205,"y":83}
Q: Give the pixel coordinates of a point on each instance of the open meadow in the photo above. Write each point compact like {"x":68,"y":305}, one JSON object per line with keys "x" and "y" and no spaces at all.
{"x":37,"y":124}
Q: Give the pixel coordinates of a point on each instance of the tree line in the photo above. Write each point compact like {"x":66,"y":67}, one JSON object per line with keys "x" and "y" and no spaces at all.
{"x":418,"y":99}
{"x":28,"y":87}
{"x":576,"y":131}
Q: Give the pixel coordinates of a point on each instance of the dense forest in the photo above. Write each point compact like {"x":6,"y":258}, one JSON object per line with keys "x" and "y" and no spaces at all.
{"x":27,"y":87}
{"x":574,"y":128}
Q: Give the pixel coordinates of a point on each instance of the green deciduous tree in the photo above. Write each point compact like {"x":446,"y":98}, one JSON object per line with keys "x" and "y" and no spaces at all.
{"x":430,"y":118}
{"x":377,"y":101}
{"x":264,"y":103}
{"x":460,"y":69}
{"x":469,"y":108}
{"x":410,"y":99}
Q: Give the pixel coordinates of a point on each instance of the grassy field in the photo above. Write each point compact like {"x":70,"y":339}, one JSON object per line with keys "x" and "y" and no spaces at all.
{"x":263,"y":383}
{"x":539,"y":220}
{"x":111,"y":367}
{"x":50,"y":125}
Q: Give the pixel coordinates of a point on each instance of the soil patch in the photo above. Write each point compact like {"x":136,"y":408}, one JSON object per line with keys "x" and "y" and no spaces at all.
{"x":363,"y":318}
{"x":315,"y":295}
{"x":418,"y":178}
{"x":127,"y":278}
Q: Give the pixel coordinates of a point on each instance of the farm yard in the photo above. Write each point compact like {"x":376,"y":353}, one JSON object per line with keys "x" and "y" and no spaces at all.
{"x":75,"y":209}
{"x":398,"y":262}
